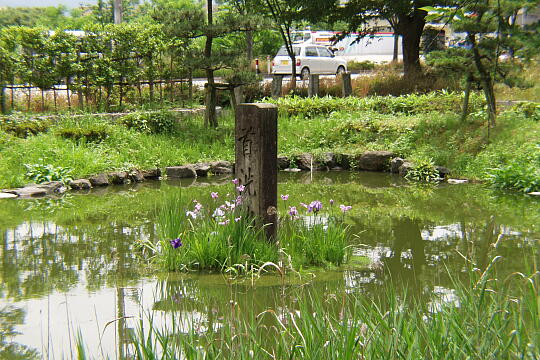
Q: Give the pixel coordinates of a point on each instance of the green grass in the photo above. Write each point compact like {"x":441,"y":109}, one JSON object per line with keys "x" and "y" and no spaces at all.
{"x":121,"y":148}
{"x":417,"y":127}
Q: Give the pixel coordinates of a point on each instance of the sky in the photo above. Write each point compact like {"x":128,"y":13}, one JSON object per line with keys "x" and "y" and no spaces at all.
{"x":68,"y":3}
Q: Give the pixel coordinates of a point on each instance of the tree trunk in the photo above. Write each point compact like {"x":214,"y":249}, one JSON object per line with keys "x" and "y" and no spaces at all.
{"x":249,"y":45}
{"x":67,"y":93}
{"x":466,"y":96}
{"x":210,"y":118}
{"x":396,"y":47}
{"x":411,"y":27}
{"x":54,"y":96}
{"x":486,"y":82}
{"x":190,"y":85}
{"x":293,"y":70}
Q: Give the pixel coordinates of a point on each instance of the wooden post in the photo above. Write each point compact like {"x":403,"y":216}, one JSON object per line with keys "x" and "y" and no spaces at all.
{"x":347,"y":84}
{"x":277,"y":83}
{"x":3,"y":105}
{"x":237,"y":96}
{"x":256,"y":161}
{"x":313,"y":89}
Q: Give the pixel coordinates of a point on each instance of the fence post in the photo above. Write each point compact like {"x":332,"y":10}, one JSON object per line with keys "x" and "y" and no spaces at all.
{"x":256,"y":162}
{"x":3,"y":105}
{"x":346,"y":84}
{"x":313,"y":89}
{"x":277,"y":83}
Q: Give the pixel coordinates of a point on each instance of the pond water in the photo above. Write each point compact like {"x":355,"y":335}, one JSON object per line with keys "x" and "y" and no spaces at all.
{"x":70,"y":266}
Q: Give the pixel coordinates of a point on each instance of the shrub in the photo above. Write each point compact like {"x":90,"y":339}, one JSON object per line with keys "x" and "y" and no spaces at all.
{"x":361,"y":65}
{"x":423,"y":171}
{"x":531,"y":110}
{"x":24,"y":127}
{"x":406,"y":104}
{"x":159,"y":122}
{"x":41,"y":173}
{"x":519,"y":176}
{"x":83,"y":131}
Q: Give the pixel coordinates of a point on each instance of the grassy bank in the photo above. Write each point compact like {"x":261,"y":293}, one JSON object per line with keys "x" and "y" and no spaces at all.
{"x":414,"y":127}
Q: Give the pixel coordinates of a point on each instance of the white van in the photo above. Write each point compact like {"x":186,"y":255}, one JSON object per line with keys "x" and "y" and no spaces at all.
{"x":310,"y":59}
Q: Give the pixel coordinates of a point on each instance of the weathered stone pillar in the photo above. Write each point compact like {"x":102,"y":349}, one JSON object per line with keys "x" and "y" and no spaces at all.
{"x":313,"y":89}
{"x":256,"y":161}
{"x":277,"y":83}
{"x":347,"y":84}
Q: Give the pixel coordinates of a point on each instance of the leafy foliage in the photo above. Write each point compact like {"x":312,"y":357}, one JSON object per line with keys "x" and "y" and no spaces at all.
{"x":407,"y":104}
{"x":160,"y":122}
{"x":24,"y":126}
{"x":423,"y":171}
{"x":41,"y":173}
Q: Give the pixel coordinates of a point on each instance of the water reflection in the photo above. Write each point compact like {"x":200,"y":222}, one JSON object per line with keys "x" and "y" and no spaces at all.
{"x":72,"y":263}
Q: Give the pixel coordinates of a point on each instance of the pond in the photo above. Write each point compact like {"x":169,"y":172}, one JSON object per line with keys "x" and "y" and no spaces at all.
{"x":71,"y":268}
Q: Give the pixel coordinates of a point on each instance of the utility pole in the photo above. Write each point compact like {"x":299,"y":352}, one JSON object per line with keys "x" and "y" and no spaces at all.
{"x":117,"y":11}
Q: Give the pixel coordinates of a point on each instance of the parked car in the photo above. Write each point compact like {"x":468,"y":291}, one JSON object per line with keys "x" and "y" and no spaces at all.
{"x":310,"y":59}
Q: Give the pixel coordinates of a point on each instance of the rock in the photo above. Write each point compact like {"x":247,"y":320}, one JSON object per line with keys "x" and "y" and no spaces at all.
{"x":443,"y":171}
{"x":405,"y":168}
{"x":305,"y":161}
{"x":534,"y":193}
{"x":118,"y":177}
{"x":80,"y":184}
{"x":374,"y":160}
{"x":202,"y":169}
{"x":181,"y":172}
{"x":327,"y":161}
{"x":395,"y":164}
{"x":457,"y":181}
{"x":53,"y":187}
{"x":99,"y":180}
{"x":136,"y":175}
{"x":343,"y":161}
{"x":5,"y":195}
{"x":221,"y":167}
{"x":153,"y":174}
{"x":283,"y":162}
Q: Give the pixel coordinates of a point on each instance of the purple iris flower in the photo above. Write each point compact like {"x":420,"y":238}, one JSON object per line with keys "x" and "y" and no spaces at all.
{"x":240,"y":188}
{"x":176,"y":243}
{"x":344,"y":208}
{"x":315,"y":206}
{"x":285,"y":197}
{"x":292,"y":211}
{"x":236,"y":181}
{"x":214,"y":195}
{"x":331,"y":202}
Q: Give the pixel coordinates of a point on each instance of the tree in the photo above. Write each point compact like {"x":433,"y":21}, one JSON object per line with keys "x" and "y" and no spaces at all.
{"x":491,"y":31}
{"x":407,"y":18}
{"x":203,"y":24}
{"x":285,"y":13}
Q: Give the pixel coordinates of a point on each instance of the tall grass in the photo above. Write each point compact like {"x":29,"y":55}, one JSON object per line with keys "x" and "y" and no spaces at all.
{"x":483,"y":317}
{"x":224,"y":236}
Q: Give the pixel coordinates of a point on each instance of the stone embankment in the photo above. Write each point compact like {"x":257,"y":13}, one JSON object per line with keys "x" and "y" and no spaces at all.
{"x":381,"y":161}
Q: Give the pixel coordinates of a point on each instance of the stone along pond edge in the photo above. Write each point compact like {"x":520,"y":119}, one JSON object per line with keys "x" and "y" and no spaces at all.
{"x":377,"y":161}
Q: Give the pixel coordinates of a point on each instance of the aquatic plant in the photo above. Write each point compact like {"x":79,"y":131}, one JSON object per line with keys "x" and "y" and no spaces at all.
{"x":222,"y":235}
{"x":481,"y":318}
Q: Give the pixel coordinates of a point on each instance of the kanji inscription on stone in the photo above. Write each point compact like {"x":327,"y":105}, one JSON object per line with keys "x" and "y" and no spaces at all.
{"x":256,"y":161}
